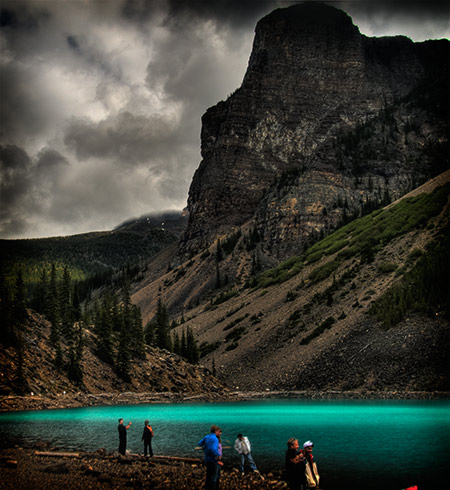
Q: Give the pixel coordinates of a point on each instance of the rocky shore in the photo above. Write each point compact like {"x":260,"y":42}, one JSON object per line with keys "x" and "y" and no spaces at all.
{"x":11,"y":403}
{"x":24,"y":469}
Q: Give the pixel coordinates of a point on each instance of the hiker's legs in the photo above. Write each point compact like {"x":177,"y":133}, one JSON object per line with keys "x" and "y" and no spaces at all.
{"x":241,"y":467}
{"x":211,"y":476}
{"x":251,"y":462}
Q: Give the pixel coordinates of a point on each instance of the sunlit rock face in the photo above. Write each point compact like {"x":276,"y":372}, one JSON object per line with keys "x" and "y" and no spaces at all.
{"x":328,"y":123}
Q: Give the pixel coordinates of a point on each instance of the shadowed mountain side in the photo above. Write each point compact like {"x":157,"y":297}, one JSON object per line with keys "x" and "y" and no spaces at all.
{"x":311,"y":322}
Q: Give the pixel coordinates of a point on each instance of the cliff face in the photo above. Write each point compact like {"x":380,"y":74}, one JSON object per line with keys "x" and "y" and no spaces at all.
{"x":327,"y":124}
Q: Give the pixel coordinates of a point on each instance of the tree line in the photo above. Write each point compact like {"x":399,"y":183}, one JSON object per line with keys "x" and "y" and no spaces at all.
{"x":116,"y":322}
{"x":157,"y":333}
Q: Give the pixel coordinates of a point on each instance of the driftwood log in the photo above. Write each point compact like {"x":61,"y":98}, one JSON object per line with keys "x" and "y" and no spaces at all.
{"x":57,"y":454}
{"x":177,"y":458}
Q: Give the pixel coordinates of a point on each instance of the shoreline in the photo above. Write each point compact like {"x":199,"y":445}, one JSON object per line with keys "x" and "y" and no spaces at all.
{"x":13,"y":403}
{"x":28,"y":468}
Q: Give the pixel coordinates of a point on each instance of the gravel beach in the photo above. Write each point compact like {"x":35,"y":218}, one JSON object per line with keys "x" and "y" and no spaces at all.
{"x":31,"y":469}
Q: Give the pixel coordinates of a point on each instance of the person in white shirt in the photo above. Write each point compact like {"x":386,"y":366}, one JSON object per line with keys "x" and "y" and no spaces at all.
{"x":242,"y":446}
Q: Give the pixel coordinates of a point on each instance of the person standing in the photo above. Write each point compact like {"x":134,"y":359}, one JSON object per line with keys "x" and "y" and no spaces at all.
{"x":243,"y":447}
{"x":311,"y":473}
{"x":147,"y":436}
{"x":123,"y":436}
{"x":295,"y":466}
{"x":210,"y":445}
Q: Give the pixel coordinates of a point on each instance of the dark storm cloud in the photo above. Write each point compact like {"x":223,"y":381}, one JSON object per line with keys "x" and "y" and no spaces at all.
{"x":72,"y":41}
{"x":22,"y":114}
{"x":26,"y":186}
{"x":15,"y":165}
{"x":126,"y":138}
{"x":414,"y":8}
{"x":417,"y":19}
{"x":21,"y":16}
{"x":231,"y":12}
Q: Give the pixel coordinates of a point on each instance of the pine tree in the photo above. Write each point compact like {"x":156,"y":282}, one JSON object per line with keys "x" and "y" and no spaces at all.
{"x":40,"y":297}
{"x":19,"y":318}
{"x":149,"y":333}
{"x":20,"y":312}
{"x":162,"y":327}
{"x":219,"y":253}
{"x":123,"y":362}
{"x":218,"y":280}
{"x":192,"y":353}
{"x":183,"y":350}
{"x":176,"y":343}
{"x":116,"y":314}
{"x":6,"y":323}
{"x":53,"y":313}
{"x":138,"y":333}
{"x":65,"y":304}
{"x":76,"y":304}
{"x":74,"y":370}
{"x":103,"y":329}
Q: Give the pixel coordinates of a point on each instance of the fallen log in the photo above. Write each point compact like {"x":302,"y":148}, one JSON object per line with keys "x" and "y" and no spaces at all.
{"x":57,"y":454}
{"x":177,"y":458}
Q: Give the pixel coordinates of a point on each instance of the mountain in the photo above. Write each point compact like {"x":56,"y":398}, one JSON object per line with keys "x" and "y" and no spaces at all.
{"x":365,"y":309}
{"x":90,"y":254}
{"x":171,"y":221}
{"x":327,"y":124}
{"x":293,"y":271}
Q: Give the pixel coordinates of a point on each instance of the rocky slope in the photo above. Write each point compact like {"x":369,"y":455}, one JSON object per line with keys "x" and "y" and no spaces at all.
{"x":306,"y":324}
{"x":327,"y":123}
{"x":160,"y":376}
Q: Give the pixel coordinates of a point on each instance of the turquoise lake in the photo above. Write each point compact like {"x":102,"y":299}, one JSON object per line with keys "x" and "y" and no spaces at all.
{"x":357,"y":444}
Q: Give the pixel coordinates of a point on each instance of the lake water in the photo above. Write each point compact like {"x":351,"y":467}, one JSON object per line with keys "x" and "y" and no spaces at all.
{"x":358,"y":444}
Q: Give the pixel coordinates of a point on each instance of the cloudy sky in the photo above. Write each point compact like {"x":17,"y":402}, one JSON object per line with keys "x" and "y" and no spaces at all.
{"x":101,"y":100}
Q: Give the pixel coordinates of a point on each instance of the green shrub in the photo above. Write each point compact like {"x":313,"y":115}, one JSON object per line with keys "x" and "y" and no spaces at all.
{"x":206,"y":348}
{"x":335,"y":247}
{"x":225,"y":296}
{"x":415,"y":254}
{"x":236,"y":334}
{"x":315,"y":256}
{"x":387,"y":267}
{"x":324,"y":271}
{"x":234,"y":322}
{"x":325,"y":325}
{"x":349,"y":252}
{"x":290,"y":296}
{"x":232,"y":346}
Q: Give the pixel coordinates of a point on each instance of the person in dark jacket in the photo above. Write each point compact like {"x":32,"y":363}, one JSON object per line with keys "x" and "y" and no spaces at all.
{"x":295,"y":466}
{"x":147,"y":436}
{"x":123,"y":436}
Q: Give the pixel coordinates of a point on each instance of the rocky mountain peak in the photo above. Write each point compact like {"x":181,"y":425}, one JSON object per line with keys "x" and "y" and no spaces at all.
{"x":332,"y":107}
